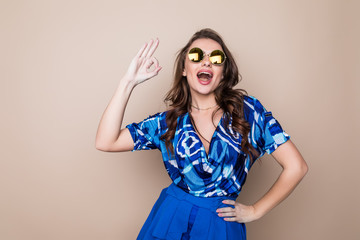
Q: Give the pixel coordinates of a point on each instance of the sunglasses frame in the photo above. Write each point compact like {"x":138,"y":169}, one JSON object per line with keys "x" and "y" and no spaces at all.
{"x":209,"y":55}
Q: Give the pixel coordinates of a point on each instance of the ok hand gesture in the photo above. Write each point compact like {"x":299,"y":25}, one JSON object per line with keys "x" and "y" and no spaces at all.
{"x":141,"y":67}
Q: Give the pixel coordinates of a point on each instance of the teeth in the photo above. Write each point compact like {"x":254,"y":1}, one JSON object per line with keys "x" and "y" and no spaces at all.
{"x":207,"y":73}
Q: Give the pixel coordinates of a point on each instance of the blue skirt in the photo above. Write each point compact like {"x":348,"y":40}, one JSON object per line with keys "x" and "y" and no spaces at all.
{"x":178,"y":215}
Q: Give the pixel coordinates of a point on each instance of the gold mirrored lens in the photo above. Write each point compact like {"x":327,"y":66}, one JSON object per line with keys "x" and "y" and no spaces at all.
{"x":217,"y":57}
{"x":196,"y":54}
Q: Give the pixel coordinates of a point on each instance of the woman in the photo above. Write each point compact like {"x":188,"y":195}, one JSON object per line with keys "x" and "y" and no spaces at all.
{"x":202,"y":141}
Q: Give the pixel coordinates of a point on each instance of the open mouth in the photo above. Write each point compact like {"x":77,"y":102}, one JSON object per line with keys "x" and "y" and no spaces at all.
{"x":204,"y":77}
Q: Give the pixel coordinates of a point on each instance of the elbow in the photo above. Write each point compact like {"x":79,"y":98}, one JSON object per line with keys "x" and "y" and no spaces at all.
{"x":303,"y":168}
{"x":102,"y":146}
{"x":297,"y":170}
{"x":112,"y":147}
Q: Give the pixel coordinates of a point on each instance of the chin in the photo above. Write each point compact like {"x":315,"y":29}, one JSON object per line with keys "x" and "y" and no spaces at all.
{"x":201,"y":87}
{"x":203,"y":91}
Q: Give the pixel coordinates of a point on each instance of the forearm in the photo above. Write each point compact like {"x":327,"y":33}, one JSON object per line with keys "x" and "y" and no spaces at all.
{"x":110,"y":136}
{"x":110,"y":124}
{"x":284,"y":185}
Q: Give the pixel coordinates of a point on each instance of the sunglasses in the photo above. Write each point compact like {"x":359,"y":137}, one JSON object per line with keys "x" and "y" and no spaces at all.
{"x":216,"y":57}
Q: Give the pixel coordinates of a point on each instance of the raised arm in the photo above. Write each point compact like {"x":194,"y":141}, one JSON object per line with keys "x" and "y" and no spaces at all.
{"x":110,"y":136}
{"x":294,"y":169}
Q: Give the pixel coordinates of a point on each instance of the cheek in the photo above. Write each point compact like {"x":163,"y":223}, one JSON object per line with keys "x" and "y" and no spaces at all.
{"x":222,"y":74}
{"x":189,"y":70}
{"x":186,"y":69}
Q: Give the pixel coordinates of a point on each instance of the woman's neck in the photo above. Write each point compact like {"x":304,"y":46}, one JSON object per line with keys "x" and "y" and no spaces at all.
{"x":203,"y":102}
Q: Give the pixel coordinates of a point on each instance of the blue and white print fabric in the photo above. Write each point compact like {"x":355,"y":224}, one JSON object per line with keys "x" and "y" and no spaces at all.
{"x":222,"y":171}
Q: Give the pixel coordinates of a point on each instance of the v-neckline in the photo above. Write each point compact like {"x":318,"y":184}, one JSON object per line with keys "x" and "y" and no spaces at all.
{"x":207,"y":154}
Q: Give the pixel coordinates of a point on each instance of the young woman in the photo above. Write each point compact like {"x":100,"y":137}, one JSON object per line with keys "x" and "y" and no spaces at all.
{"x":209,"y":139}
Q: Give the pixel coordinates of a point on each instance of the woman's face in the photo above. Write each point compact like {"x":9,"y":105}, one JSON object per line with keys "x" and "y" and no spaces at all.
{"x":203,"y":77}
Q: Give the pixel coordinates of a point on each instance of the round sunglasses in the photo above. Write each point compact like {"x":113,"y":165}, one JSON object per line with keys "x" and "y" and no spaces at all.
{"x":216,"y":57}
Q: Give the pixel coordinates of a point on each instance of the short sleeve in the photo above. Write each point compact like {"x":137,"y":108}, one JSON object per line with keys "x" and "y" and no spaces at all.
{"x":266,"y":132}
{"x":146,"y":134}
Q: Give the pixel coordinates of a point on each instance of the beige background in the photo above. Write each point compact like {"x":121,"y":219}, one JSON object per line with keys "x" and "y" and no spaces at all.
{"x":61,"y":61}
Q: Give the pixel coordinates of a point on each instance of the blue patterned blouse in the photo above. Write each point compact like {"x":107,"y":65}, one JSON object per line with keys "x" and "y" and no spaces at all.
{"x":222,"y":171}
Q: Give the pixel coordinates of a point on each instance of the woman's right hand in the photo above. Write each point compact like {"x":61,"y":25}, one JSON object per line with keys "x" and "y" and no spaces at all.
{"x":144,"y":66}
{"x":110,"y":136}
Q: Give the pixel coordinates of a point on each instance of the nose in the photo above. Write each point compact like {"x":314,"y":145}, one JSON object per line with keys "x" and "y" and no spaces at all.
{"x":206,"y":61}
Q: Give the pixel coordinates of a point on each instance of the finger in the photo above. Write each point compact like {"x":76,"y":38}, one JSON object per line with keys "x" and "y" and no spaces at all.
{"x":227,"y":214}
{"x":147,"y":49}
{"x":230,"y":219}
{"x":153,"y":48}
{"x":225,"y":209}
{"x":149,"y":63}
{"x":141,"y":50}
{"x":158,"y":69}
{"x":230,"y":202}
{"x":156,"y":62}
{"x":154,"y":72}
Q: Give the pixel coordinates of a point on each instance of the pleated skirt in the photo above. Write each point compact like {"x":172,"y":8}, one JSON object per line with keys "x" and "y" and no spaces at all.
{"x":178,"y":215}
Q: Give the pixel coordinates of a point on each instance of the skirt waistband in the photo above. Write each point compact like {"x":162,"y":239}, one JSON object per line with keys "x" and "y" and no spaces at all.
{"x":211,"y":203}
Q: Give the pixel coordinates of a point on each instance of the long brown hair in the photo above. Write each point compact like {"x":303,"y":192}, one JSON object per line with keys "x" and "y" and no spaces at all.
{"x":228,"y":99}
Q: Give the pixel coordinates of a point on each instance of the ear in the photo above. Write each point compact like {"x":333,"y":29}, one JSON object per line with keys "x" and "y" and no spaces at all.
{"x":184,"y":73}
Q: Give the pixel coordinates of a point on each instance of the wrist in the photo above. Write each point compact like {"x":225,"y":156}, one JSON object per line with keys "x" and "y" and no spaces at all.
{"x":258,"y":213}
{"x":127,"y":83}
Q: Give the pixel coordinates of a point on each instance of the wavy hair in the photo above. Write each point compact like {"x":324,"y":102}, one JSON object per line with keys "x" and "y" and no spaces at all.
{"x":228,"y":99}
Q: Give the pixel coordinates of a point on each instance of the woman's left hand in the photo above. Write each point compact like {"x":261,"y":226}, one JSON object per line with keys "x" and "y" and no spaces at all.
{"x":239,"y":213}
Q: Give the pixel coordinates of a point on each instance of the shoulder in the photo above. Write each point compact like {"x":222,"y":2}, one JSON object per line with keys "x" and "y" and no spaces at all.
{"x":252,"y":104}
{"x":157,"y":118}
{"x":159,"y":115}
